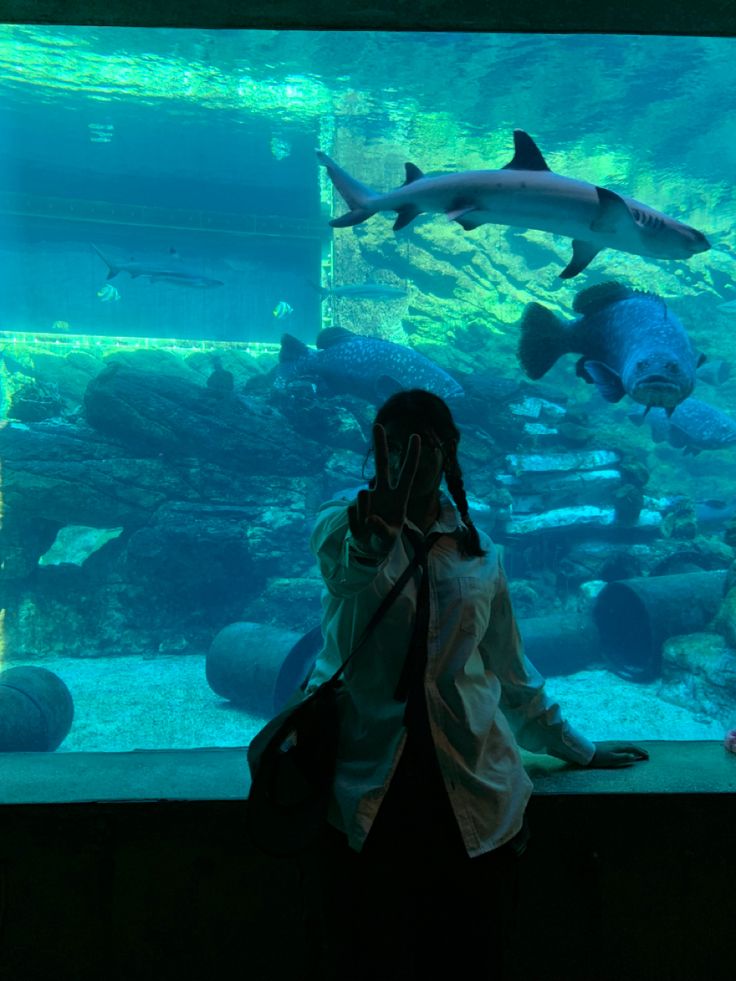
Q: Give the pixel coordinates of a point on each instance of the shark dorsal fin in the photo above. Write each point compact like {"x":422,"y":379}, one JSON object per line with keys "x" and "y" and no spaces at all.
{"x":598,"y":297}
{"x":413,"y":173}
{"x":527,"y":155}
{"x":331,"y":336}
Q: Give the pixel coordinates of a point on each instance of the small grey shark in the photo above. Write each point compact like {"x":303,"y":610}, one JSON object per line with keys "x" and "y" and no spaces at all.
{"x":157,"y":272}
{"x":526,"y":194}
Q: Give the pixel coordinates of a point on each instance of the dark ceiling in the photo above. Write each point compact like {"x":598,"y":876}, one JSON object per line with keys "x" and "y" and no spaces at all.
{"x":703,"y":17}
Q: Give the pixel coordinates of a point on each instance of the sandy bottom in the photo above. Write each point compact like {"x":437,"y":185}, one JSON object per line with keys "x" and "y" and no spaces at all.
{"x":128,"y":703}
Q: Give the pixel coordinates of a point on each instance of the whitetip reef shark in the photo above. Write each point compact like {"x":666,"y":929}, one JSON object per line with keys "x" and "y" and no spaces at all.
{"x":157,"y":272}
{"x":526,"y":194}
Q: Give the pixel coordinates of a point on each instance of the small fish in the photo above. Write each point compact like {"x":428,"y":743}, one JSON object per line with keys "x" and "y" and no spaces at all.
{"x":60,"y":325}
{"x":282,"y":310}
{"x":629,"y":341}
{"x":366,"y":367}
{"x":363,"y":291}
{"x":693,"y":426}
{"x":108,"y":293}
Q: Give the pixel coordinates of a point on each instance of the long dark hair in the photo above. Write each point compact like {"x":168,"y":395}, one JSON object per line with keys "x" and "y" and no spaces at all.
{"x":427,"y":411}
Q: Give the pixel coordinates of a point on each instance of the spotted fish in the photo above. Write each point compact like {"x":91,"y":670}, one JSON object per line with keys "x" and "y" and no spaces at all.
{"x":368,"y":367}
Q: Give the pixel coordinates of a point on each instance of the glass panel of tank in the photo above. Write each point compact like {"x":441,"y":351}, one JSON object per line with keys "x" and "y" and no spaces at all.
{"x":539,"y":228}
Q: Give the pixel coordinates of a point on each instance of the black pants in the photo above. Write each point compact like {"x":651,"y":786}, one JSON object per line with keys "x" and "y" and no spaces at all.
{"x":411,"y":904}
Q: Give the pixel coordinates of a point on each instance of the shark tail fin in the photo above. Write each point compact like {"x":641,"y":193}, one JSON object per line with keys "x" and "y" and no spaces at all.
{"x":113,"y":270}
{"x":543,"y":340}
{"x":359,"y":197}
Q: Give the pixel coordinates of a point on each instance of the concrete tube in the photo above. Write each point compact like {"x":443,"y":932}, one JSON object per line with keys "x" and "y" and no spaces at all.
{"x":36,"y":710}
{"x":636,"y":616}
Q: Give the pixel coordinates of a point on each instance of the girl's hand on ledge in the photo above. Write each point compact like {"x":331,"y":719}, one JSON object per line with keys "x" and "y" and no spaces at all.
{"x":611,"y":754}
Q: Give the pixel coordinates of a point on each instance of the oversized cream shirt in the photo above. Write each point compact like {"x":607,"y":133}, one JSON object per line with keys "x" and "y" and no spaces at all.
{"x":481,"y":690}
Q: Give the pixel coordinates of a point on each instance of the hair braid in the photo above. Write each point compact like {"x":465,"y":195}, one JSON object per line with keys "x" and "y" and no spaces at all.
{"x":470,"y":542}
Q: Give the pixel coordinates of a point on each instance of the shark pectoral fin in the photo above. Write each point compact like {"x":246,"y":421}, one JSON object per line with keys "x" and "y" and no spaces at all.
{"x":583,"y":254}
{"x":613,"y":212}
{"x":702,"y":358}
{"x":607,"y":380}
{"x":406,"y":215}
{"x":354,"y":217}
{"x":470,"y":219}
{"x":465,"y":213}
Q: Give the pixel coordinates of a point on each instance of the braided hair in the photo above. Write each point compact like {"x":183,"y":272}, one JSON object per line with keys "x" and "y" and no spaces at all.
{"x":429,"y":412}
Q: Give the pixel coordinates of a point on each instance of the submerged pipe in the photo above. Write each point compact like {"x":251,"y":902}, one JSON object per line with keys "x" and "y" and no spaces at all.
{"x":244,"y":661}
{"x":636,"y":616}
{"x":560,"y":644}
{"x":36,"y":710}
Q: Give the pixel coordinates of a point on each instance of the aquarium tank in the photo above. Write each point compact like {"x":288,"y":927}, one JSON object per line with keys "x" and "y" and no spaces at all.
{"x":221,"y":250}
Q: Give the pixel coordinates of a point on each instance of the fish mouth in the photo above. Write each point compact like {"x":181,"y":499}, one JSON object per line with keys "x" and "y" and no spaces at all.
{"x":657,"y":392}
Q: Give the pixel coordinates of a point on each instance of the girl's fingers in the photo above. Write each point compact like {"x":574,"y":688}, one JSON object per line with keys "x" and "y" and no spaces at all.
{"x":380,"y":447}
{"x":409,"y":468}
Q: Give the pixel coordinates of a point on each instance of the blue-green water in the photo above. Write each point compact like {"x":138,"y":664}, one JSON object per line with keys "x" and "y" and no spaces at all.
{"x":189,"y":156}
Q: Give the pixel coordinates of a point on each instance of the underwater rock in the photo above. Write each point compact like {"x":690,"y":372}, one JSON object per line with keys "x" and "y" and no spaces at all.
{"x":340,"y":422}
{"x":699,"y":672}
{"x":75,"y":543}
{"x":725,"y":620}
{"x":628,"y":502}
{"x":73,"y":475}
{"x":35,"y":401}
{"x":574,"y":518}
{"x":174,"y":416}
{"x":551,"y":462}
{"x":595,"y":487}
{"x":293,"y":603}
{"x":195,"y":557}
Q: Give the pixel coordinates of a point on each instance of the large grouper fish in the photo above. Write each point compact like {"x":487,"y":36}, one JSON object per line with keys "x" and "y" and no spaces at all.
{"x":526,"y":194}
{"x":629,"y":341}
{"x":369,"y":367}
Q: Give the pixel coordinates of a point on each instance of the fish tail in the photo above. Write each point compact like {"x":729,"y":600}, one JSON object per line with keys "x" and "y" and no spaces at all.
{"x":113,"y":269}
{"x":359,"y":197}
{"x":543,"y":340}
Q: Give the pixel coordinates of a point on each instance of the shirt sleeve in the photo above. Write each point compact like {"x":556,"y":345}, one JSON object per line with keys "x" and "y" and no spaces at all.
{"x":535,"y":720}
{"x":348,"y":566}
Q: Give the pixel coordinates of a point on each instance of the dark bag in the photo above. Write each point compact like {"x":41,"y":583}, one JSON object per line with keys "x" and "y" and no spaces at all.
{"x":292,"y":759}
{"x":292,"y":764}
